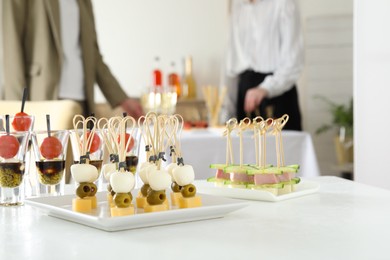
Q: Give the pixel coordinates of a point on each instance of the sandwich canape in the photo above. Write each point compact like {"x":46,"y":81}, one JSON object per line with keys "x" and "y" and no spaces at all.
{"x":279,"y":179}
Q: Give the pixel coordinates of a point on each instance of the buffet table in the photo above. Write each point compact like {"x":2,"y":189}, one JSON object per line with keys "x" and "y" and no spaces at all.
{"x":343,"y":220}
{"x":202,"y":147}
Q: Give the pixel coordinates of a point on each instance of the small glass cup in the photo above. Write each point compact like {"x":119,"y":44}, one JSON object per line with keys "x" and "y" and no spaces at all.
{"x":13,"y":148}
{"x":50,"y":160}
{"x":22,"y":123}
{"x":96,"y":152}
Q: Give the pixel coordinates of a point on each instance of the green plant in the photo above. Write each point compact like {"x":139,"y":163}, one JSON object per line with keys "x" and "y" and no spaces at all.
{"x":342,"y":116}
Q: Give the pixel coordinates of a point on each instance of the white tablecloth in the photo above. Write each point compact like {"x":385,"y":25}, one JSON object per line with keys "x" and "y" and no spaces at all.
{"x":200,"y":148}
{"x":343,"y":220}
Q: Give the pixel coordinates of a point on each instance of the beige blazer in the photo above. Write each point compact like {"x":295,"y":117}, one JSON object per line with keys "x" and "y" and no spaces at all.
{"x":33,"y":52}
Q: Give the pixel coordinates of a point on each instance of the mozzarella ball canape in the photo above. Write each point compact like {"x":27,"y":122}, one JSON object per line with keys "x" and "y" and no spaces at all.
{"x":144,"y":170}
{"x":84,"y":175}
{"x":122,"y":183}
{"x":184,"y":176}
{"x":159,"y":181}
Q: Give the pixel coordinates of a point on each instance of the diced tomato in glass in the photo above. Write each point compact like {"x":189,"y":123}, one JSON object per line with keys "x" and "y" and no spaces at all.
{"x":21,"y":122}
{"x":51,"y":147}
{"x":9,"y":146}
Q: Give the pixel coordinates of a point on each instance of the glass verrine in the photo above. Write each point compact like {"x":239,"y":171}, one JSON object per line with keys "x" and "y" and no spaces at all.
{"x":50,"y":157}
{"x":19,"y":123}
{"x":13,"y":148}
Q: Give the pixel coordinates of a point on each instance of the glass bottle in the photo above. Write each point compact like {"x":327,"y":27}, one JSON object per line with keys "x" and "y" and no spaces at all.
{"x":189,"y":80}
{"x":174,"y":80}
{"x":157,"y":74}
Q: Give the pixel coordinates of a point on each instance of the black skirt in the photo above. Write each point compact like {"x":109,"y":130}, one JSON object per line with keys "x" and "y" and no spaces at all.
{"x":287,"y":103}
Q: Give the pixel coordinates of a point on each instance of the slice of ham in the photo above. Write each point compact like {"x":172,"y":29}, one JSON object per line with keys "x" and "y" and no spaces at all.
{"x":287,"y":176}
{"x":241,"y":177}
{"x":222,"y":175}
{"x":260,"y":179}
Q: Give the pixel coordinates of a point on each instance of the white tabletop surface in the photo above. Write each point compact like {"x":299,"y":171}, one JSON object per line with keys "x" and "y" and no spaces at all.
{"x":202,"y":147}
{"x":343,"y":220}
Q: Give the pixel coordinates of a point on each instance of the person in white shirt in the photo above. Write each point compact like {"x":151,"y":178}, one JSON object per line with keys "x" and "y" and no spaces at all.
{"x":264,"y":60}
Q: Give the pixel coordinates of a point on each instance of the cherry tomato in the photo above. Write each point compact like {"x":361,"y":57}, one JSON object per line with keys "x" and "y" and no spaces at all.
{"x":200,"y":124}
{"x":95,"y":142}
{"x":131,"y":144}
{"x":9,"y":146}
{"x":187,"y":125}
{"x":51,"y":147}
{"x":21,"y":122}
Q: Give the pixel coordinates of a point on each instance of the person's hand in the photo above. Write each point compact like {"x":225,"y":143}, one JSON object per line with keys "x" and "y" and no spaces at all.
{"x":132,"y":107}
{"x":253,"y":98}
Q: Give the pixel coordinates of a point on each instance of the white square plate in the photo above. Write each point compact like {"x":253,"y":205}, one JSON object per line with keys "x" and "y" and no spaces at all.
{"x":303,"y":188}
{"x":61,"y":207}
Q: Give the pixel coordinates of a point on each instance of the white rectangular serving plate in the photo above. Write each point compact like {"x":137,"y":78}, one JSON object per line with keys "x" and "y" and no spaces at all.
{"x":61,"y":207}
{"x":305,"y":187}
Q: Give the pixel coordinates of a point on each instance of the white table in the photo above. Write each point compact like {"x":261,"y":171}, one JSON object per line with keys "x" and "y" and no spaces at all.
{"x":344,"y":220}
{"x":203,"y":147}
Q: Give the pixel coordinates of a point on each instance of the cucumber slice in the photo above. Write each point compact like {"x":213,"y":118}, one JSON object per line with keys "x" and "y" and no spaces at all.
{"x":296,"y":166}
{"x":288,"y":169}
{"x":236,"y":169}
{"x":295,"y":180}
{"x":218,"y":166}
{"x":235,"y":183}
{"x":270,"y":170}
{"x":211,"y":179}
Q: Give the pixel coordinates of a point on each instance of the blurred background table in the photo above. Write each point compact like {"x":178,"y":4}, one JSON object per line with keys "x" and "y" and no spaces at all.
{"x":202,"y":147}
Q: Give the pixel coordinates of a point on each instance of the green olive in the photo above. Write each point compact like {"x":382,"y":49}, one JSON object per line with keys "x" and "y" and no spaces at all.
{"x":83,"y":190}
{"x":188,"y":191}
{"x":156,"y":197}
{"x":175,"y":187}
{"x":145,"y":189}
{"x":122,"y":200}
{"x":93,"y":189}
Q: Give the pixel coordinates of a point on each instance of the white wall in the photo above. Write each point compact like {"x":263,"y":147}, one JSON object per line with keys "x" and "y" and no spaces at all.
{"x":311,"y":8}
{"x":328,"y":69}
{"x":372,"y":91}
{"x":132,"y":32}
